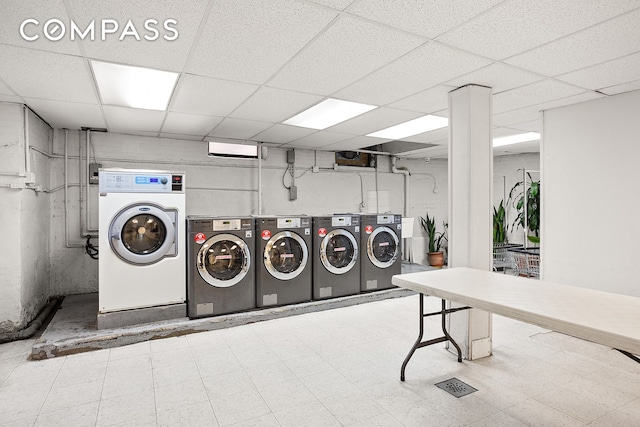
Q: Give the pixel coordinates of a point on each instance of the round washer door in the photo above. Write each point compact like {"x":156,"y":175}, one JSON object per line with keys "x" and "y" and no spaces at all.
{"x":339,"y":251}
{"x":286,"y":255}
{"x":142,"y":234}
{"x":383,"y":247}
{"x":223,"y":260}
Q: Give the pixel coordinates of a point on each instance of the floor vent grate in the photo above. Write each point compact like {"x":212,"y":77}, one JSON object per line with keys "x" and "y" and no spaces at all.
{"x":456,"y":387}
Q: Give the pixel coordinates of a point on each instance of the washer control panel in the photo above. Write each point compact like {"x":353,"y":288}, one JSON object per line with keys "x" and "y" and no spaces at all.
{"x":140,"y":182}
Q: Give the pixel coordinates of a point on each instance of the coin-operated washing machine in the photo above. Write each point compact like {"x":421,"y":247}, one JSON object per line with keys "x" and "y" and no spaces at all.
{"x":283,"y":275}
{"x":142,"y":263}
{"x":220,"y":270}
{"x":336,"y":260}
{"x":380,"y":242}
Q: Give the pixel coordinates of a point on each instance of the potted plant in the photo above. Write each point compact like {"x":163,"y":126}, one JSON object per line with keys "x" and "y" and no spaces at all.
{"x":435,"y":256}
{"x":530,"y":196}
{"x":499,"y":225}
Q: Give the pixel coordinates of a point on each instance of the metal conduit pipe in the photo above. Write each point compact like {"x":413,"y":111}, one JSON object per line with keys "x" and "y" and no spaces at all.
{"x":66,"y":193}
{"x":87,"y":210}
{"x":27,"y":155}
{"x":406,"y":173}
{"x":259,"y":178}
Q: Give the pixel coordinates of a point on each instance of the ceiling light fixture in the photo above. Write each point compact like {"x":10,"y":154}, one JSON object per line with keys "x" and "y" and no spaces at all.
{"x":328,"y":113}
{"x":133,"y":87}
{"x":412,"y":127}
{"x":223,"y":149}
{"x":515,"y":139}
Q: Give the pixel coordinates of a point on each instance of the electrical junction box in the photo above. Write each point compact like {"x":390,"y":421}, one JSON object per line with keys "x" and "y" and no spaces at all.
{"x":93,"y":173}
{"x":291,"y":156}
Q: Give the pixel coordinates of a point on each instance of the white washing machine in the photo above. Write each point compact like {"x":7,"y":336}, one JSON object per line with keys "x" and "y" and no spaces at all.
{"x":142,"y":262}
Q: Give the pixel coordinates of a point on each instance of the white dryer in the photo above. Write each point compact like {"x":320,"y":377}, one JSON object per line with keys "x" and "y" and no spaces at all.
{"x":142,"y":262}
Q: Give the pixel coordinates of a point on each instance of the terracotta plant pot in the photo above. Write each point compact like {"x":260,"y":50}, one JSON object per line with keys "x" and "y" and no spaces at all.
{"x":435,"y":259}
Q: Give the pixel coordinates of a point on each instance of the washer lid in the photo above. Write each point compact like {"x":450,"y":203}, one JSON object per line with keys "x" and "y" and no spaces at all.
{"x":285,"y":255}
{"x":143,"y":234}
{"x":383,"y":247}
{"x":223,"y":260}
{"x":339,"y":251}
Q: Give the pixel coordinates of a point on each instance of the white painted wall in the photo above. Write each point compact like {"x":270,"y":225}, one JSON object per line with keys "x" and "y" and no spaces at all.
{"x":590,"y":202}
{"x":218,"y":186}
{"x":24,"y":219}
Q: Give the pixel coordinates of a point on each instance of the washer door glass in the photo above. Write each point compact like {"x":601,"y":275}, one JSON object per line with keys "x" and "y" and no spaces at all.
{"x":143,"y":234}
{"x":285,"y":255}
{"x":223,"y":260}
{"x":382,"y":247}
{"x":339,"y":251}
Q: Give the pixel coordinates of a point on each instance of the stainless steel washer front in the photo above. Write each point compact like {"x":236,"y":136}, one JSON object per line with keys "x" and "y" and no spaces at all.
{"x":383,"y":247}
{"x":223,"y":260}
{"x":339,"y":251}
{"x":285,"y":255}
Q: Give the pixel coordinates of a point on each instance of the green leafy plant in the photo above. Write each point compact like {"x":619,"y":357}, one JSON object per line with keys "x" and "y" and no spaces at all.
{"x":499,"y":225}
{"x":532,"y":199}
{"x":436,"y":238}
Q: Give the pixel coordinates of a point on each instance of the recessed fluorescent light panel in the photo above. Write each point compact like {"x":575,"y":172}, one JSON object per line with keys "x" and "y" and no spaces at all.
{"x":515,"y":139}
{"x":134,"y":87}
{"x":223,"y":149}
{"x":328,"y":113}
{"x":412,"y":127}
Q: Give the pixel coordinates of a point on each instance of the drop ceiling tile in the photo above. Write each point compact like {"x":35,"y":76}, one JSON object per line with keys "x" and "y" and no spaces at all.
{"x":248,"y":40}
{"x":430,"y":137}
{"x":426,"y":18}
{"x":427,"y":101}
{"x":4,"y":90}
{"x":626,"y":87}
{"x":189,"y":124}
{"x":318,"y":139}
{"x":335,"y":4}
{"x":274,"y":105}
{"x":437,"y":152}
{"x":349,"y":50}
{"x":356,"y":143}
{"x":530,"y":126}
{"x":499,"y":132}
{"x":15,"y":12}
{"x":425,"y":67}
{"x":618,"y":71}
{"x":207,"y":96}
{"x":160,"y":53}
{"x":519,"y":25}
{"x":497,"y":76}
{"x":532,"y":112}
{"x":132,"y":120}
{"x":533,"y":94}
{"x":609,"y":40}
{"x":374,"y":120}
{"x":281,"y":134}
{"x":46,"y":75}
{"x":70,"y":115}
{"x":181,"y":137}
{"x":11,"y":98}
{"x":522,"y":148}
{"x":239,"y":128}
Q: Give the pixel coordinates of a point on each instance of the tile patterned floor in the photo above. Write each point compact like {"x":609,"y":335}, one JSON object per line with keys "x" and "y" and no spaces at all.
{"x":332,"y":368}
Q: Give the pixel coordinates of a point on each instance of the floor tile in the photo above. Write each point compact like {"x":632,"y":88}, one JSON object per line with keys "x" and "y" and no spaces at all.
{"x":349,"y":408}
{"x":117,"y":384}
{"x":382,"y":420}
{"x":308,"y":365}
{"x":539,"y":414}
{"x":390,"y":394}
{"x":228,"y":383}
{"x":234,"y":408}
{"x":311,"y":415}
{"x":175,"y":396}
{"x":328,"y":384}
{"x":192,"y":415}
{"x":268,"y":420}
{"x":132,"y":350}
{"x":128,"y":409}
{"x":270,"y":374}
{"x":611,"y":397}
{"x":175,"y":373}
{"x":284,"y":395}
{"x":78,"y":415}
{"x":68,"y":396}
{"x":498,"y":419}
{"x":570,"y":403}
{"x":422,"y":413}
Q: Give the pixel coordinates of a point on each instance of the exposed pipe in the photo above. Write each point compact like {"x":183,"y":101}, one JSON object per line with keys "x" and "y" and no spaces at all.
{"x":66,"y":194}
{"x":87,"y":210}
{"x":35,"y":324}
{"x":80,"y":199}
{"x":406,"y":173}
{"x":259,"y":178}
{"x":27,"y":155}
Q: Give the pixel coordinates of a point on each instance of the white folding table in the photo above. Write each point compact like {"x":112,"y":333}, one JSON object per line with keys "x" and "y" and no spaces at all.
{"x":605,"y":318}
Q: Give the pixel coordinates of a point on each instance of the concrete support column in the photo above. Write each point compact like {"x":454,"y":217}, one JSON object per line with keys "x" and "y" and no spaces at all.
{"x":470,"y":203}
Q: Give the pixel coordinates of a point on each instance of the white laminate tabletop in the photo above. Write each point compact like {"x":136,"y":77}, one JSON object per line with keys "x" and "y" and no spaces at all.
{"x":602,"y":317}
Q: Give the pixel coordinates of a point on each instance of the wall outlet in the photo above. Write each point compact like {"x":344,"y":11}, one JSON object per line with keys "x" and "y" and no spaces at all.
{"x":293,"y":193}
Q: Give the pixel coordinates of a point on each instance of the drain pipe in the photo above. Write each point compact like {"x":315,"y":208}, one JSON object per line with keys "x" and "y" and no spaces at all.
{"x":27,"y":154}
{"x":87,"y":210}
{"x":35,"y":324}
{"x":80,"y":198}
{"x":404,"y":171}
{"x":66,"y":193}
{"x":259,"y":178}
